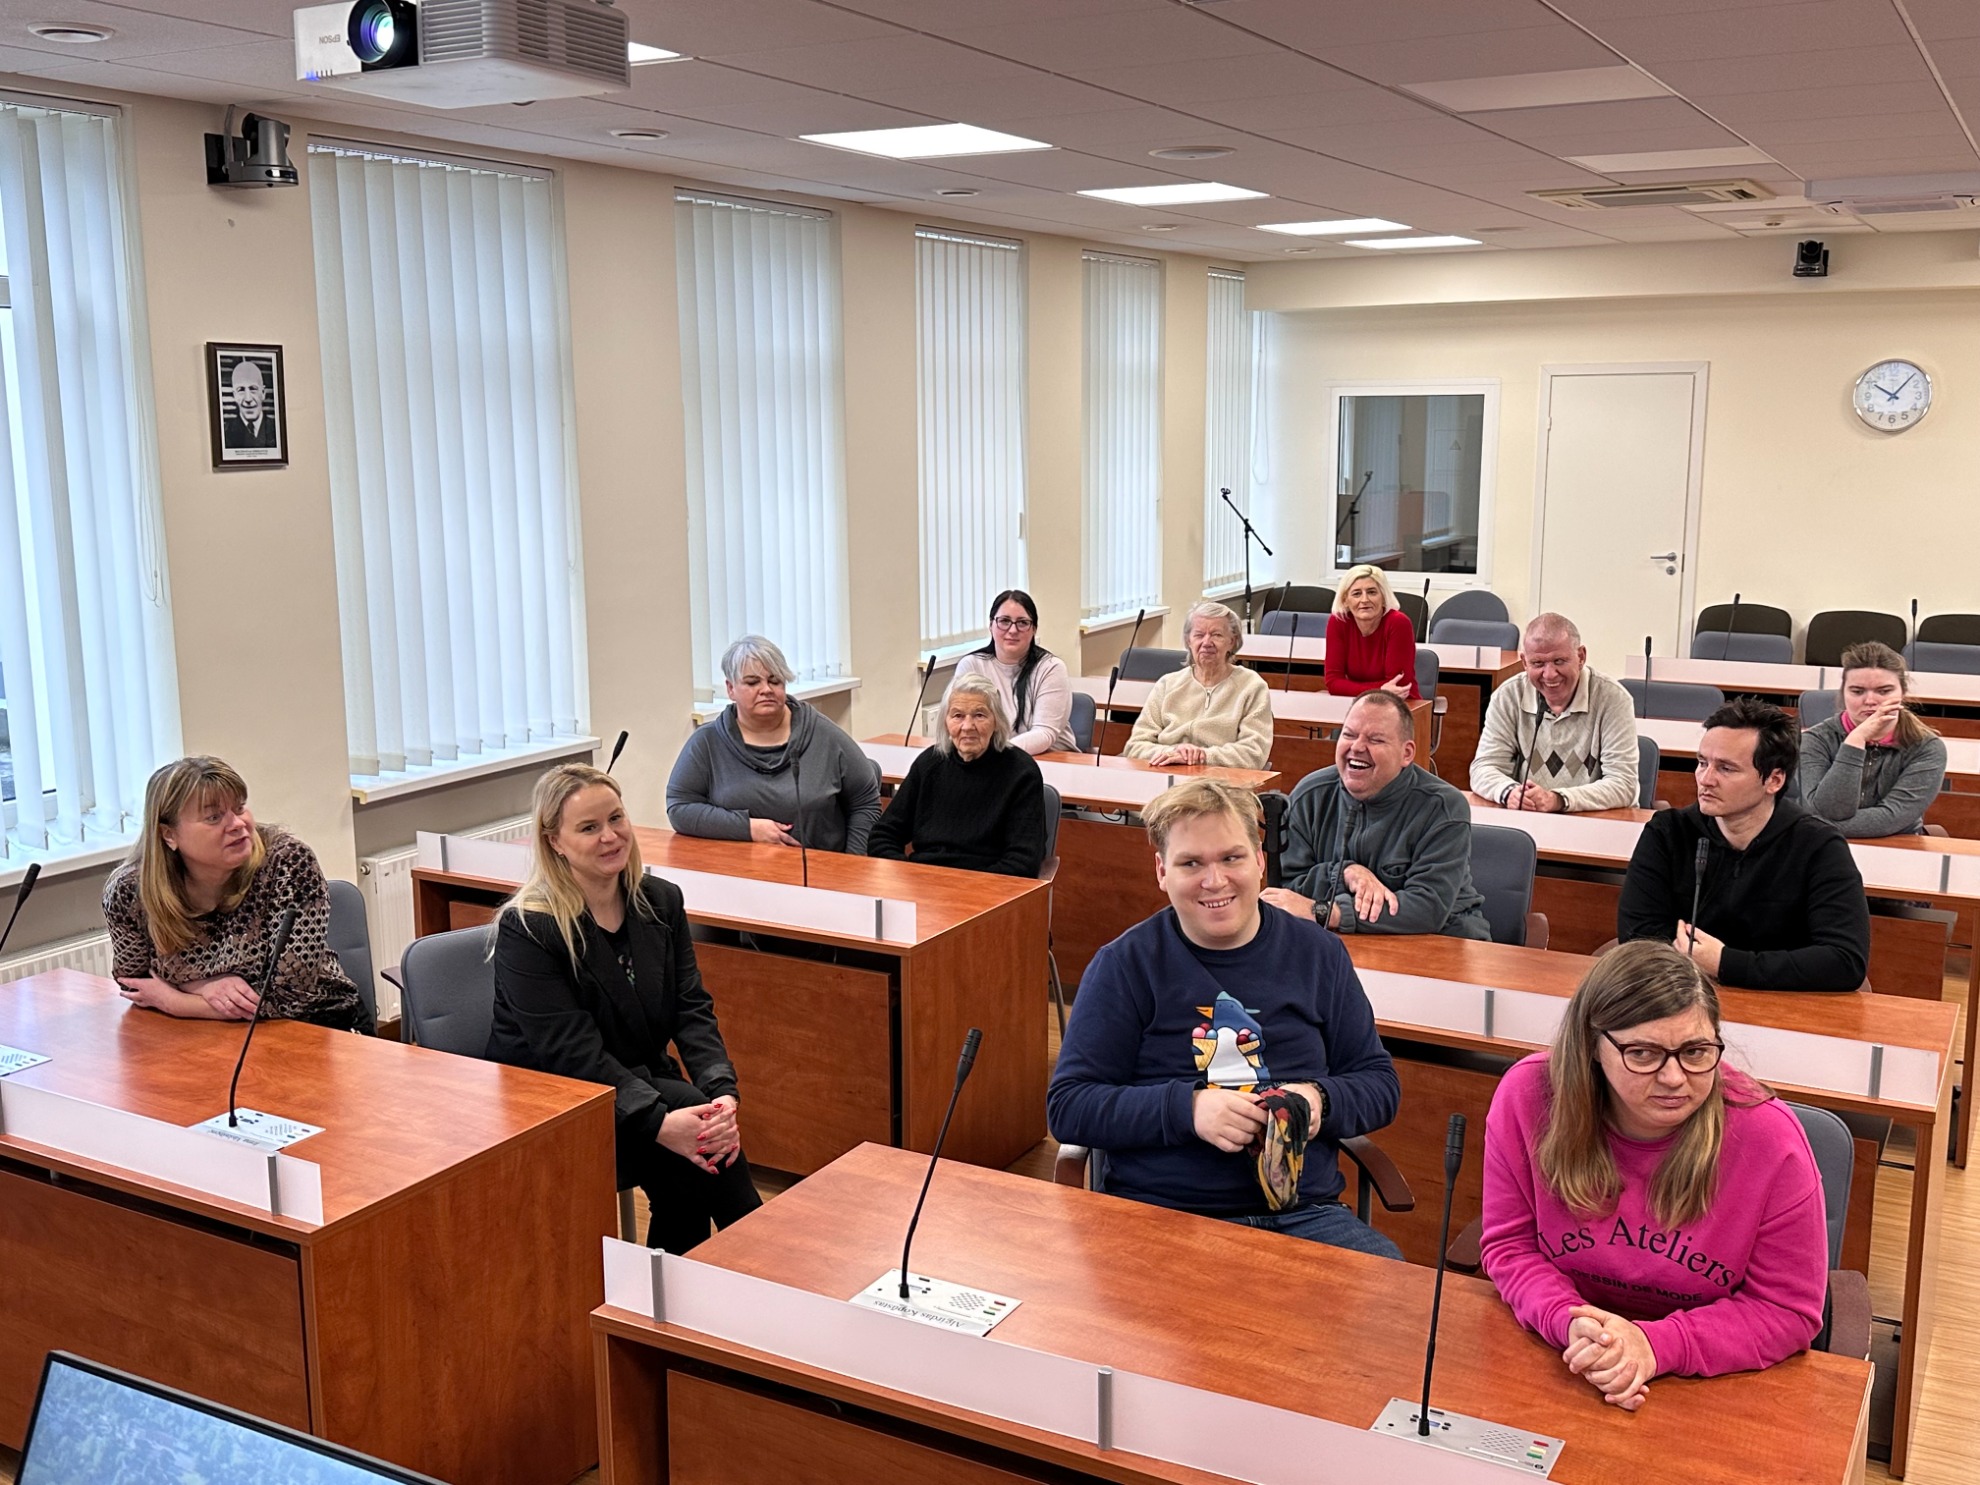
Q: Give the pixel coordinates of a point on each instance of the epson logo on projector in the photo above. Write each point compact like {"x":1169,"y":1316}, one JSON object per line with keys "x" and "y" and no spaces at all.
{"x":464,"y":53}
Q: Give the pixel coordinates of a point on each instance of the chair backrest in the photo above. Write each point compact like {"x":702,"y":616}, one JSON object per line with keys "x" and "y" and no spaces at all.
{"x":1416,"y":608}
{"x":1937,"y":657}
{"x":1754,"y":618}
{"x":1835,"y":630}
{"x":1649,"y":758}
{"x":1815,"y":708}
{"x":1503,"y":863}
{"x":1143,"y":663}
{"x":1081,"y":721}
{"x":449,"y":984}
{"x":1281,"y":621}
{"x":1306,"y":597}
{"x":1949,"y":629}
{"x":1494,"y":634}
{"x":1678,"y":701}
{"x":350,"y":941}
{"x":1052,"y":807}
{"x":1476,"y":603}
{"x":1835,"y":1159}
{"x":1767,"y":649}
{"x":1428,"y":673}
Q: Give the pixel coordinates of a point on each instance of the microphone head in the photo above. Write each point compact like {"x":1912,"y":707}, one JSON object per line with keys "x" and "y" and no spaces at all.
{"x":28,"y":879}
{"x":968,"y":1059}
{"x":617,"y":748}
{"x":1453,"y":1146}
{"x":1698,"y":856}
{"x":1735,"y":598}
{"x":1646,"y":647}
{"x":1113,"y":677}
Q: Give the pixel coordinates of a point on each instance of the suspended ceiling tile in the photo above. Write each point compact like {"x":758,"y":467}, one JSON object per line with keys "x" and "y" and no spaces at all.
{"x":1957,"y":59}
{"x":1779,"y":136}
{"x":945,"y":17}
{"x":1745,"y":76}
{"x":1314,"y":28}
{"x":1078,"y":44}
{"x":699,"y":29}
{"x":1740,"y":110}
{"x":1270,"y":74}
{"x":1944,"y":19}
{"x":1555,"y":48}
{"x":1755,"y":31}
{"x":1135,"y":123}
{"x":1596,"y":14}
{"x":135,"y":33}
{"x":1347,"y":101}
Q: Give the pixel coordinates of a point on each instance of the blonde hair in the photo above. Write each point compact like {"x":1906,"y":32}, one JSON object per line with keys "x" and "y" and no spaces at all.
{"x":1354,"y":575}
{"x":161,"y":872}
{"x":551,"y":887}
{"x":975,"y":685}
{"x":1633,"y":983}
{"x":1195,"y":799}
{"x":1872,"y":654}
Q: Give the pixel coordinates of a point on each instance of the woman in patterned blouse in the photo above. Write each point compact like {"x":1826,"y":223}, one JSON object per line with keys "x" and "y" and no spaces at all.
{"x":193,"y":911}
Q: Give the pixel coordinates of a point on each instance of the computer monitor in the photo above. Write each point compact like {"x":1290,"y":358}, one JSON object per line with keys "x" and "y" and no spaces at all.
{"x":94,"y":1424}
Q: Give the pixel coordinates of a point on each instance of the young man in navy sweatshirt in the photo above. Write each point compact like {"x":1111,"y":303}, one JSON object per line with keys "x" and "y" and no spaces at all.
{"x":1193,"y":1030}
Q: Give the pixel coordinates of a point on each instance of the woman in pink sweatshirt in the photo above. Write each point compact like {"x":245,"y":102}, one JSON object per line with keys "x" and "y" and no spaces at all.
{"x":1646,"y":1209}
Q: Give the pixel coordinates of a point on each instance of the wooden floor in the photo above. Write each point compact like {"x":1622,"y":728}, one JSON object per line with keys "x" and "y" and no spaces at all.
{"x":1946,"y":1448}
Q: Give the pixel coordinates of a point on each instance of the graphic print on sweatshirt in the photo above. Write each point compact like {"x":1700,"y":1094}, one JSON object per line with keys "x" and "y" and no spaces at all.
{"x":1230,"y":1049}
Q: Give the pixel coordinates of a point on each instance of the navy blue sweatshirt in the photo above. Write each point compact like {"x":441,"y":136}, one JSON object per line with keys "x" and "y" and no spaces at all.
{"x":1157,"y":1018}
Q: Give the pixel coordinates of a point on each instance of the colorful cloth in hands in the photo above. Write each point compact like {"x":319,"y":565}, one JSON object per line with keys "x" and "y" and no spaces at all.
{"x":1281,"y":1145}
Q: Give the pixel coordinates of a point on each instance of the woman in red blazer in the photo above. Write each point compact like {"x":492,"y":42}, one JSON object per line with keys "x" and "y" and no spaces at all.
{"x":1371,"y":645}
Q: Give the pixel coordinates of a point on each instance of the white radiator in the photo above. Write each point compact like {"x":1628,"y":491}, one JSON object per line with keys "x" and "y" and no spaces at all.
{"x":89,"y":953}
{"x":386,"y":882}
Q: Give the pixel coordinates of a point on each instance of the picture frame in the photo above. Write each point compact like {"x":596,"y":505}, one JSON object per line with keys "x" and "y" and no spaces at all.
{"x":247,"y":405}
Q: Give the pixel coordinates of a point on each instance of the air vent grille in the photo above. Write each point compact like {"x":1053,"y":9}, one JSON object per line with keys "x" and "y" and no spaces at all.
{"x":1673,"y":193}
{"x":1898,"y":206}
{"x":572,"y":36}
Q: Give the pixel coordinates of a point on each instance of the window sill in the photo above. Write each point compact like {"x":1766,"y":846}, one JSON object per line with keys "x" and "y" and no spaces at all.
{"x":704,"y":710}
{"x":376,"y":788}
{"x":65,"y":863}
{"x":1115,"y":621}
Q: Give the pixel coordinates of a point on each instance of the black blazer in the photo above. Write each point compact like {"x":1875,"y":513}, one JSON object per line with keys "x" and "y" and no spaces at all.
{"x":585,"y":1021}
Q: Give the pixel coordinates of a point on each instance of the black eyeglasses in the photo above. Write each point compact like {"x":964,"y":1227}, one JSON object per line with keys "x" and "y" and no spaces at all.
{"x":1648,"y":1057}
{"x":1015,"y":626}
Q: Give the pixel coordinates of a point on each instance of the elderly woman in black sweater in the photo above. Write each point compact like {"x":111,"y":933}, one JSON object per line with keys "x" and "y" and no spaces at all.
{"x":971,"y":801}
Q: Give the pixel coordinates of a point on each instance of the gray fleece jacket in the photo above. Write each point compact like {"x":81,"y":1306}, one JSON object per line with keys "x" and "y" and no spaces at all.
{"x":720,"y":783}
{"x":1868,"y":791}
{"x":1415,"y":836}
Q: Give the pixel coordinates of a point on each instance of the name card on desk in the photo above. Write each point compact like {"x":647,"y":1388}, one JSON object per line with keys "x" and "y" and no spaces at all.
{"x":16,"y":1059}
{"x":280,"y":1185}
{"x":773,"y":903}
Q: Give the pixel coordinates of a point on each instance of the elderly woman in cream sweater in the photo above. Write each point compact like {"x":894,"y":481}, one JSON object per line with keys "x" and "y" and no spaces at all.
{"x":1215,"y":711}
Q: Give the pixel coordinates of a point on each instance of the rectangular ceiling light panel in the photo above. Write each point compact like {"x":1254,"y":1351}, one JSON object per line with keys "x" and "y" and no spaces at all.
{"x":1539,"y":89}
{"x":927,"y":142}
{"x":1187,"y":193}
{"x":1412,"y":242}
{"x":1712,"y":159}
{"x":1334,"y":229}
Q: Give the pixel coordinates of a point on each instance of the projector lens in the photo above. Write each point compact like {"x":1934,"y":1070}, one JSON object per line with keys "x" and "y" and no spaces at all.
{"x":380,"y":29}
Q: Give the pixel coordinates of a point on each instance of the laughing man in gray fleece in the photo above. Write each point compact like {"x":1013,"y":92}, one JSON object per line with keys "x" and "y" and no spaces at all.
{"x":740,"y":774}
{"x":1376,"y":844}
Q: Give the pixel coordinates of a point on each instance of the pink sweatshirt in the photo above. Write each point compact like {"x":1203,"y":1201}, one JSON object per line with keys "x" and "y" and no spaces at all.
{"x":1740,"y":1288}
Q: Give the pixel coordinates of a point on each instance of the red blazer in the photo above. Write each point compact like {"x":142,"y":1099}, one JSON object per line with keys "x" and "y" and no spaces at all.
{"x":1355,"y":664}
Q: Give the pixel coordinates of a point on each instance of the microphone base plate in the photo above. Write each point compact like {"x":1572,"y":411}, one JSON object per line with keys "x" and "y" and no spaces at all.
{"x":962,"y":1308}
{"x":1532,"y":1454}
{"x":259,"y":1131}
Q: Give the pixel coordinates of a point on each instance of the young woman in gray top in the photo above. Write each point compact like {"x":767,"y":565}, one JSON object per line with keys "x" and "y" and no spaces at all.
{"x":770,"y":769}
{"x":1874,"y":767}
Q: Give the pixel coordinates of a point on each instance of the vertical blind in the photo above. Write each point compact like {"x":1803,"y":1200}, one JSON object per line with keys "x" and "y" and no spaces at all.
{"x":446,"y":389}
{"x":1122,"y":484}
{"x":1230,"y":365}
{"x":760,"y":380}
{"x":86,"y":658}
{"x":970,"y":349}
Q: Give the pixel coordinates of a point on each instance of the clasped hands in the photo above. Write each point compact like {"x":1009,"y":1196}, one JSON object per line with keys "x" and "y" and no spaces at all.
{"x":1182,"y":755}
{"x":1371,"y":898}
{"x":1233,"y":1121}
{"x":1610,"y":1354}
{"x":707,"y":1134}
{"x":225,"y":997}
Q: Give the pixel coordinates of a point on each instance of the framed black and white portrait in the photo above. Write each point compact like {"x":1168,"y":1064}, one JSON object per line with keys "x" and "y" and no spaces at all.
{"x":249,"y":415}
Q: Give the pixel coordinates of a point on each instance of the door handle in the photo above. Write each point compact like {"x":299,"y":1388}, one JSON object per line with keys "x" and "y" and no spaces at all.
{"x":1663,"y":556}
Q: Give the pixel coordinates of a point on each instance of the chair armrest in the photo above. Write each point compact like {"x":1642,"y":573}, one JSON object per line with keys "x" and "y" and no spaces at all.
{"x":391,"y":977}
{"x":1463,"y":1256}
{"x":1538,"y":931}
{"x":1376,"y":1166}
{"x":1049,"y":871}
{"x":1069,"y":1166}
{"x":1849,"y":1314}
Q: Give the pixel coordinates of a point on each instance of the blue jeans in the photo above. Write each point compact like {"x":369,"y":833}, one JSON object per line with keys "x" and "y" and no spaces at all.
{"x":1325,"y":1222}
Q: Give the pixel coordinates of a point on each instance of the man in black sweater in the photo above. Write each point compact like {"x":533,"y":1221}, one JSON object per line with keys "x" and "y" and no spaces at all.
{"x":1781,"y":906}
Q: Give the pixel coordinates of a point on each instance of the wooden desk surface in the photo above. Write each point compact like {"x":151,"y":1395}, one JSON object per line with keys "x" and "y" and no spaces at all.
{"x":1255,"y":779}
{"x":394,"y":1117}
{"x":1937,"y":688}
{"x":1261,"y":650}
{"x":1309,"y":708}
{"x":1678,"y":739}
{"x":1251,"y":1314}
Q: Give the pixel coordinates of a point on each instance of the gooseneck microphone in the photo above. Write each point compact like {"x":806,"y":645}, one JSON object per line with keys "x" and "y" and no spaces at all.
{"x":1697,"y":889}
{"x":915,"y":715}
{"x":617,"y":748}
{"x":963,"y":1064}
{"x":1453,"y":1159}
{"x":1646,"y":675}
{"x":1291,"y":645}
{"x":283,"y":927}
{"x":28,"y":879}
{"x":797,"y":819}
{"x":1732,"y":627}
{"x":1423,"y":635}
{"x":1100,"y":732}
{"x":1912,"y":643}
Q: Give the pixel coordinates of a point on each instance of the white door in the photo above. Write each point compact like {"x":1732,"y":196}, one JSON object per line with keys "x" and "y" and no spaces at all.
{"x":1620,"y":452}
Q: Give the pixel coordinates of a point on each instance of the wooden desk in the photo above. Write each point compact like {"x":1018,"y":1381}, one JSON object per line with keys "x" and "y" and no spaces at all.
{"x":1958,"y":694}
{"x":1433,"y":1089}
{"x":1184,"y":1299}
{"x":830,"y":1054}
{"x":436,"y":1318}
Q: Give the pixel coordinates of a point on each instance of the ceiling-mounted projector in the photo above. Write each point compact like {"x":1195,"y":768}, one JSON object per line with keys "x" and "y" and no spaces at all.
{"x":464,"y":53}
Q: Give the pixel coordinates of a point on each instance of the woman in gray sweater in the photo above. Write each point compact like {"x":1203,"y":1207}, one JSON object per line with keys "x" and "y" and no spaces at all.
{"x":1874,"y":767}
{"x":770,"y":769}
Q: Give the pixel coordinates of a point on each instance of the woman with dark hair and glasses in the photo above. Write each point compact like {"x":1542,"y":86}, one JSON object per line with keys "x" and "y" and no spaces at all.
{"x":1031,"y":680}
{"x":1647,"y":1209}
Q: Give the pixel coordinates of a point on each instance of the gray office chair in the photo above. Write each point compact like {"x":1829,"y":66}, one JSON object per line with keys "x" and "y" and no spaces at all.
{"x":1282,"y":620}
{"x":1428,"y":676}
{"x":1474,"y":603}
{"x":1678,"y":701}
{"x":1305,"y":597}
{"x":1048,"y":870}
{"x":350,"y":941}
{"x":1649,"y":759}
{"x":1416,"y":608}
{"x":1754,"y":618}
{"x":1949,"y":629}
{"x":1935,"y":657}
{"x":1815,"y":707}
{"x":1835,"y":630}
{"x":1503,"y":865}
{"x":1081,"y":721}
{"x":1834,"y":1149}
{"x":1494,"y":634}
{"x":1766,"y":649}
{"x":1145,"y":663}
